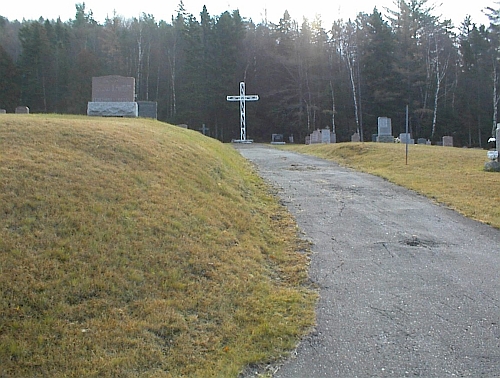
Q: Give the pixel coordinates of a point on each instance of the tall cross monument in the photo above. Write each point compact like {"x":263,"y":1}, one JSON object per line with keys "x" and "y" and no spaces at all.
{"x":243,"y":98}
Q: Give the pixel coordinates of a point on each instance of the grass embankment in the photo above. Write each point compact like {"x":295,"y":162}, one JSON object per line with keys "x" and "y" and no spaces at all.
{"x":134,"y":248}
{"x":451,"y":176}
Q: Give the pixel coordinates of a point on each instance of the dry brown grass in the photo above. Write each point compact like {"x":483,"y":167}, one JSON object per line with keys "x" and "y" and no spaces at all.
{"x":451,"y":176}
{"x":134,"y":248}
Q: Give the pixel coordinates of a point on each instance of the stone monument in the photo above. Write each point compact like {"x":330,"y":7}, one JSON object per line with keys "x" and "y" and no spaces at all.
{"x":355,"y":137}
{"x":113,"y":96}
{"x":22,"y":110}
{"x":406,"y":138}
{"x":277,"y":139}
{"x":148,"y":109}
{"x":316,"y":137}
{"x":385,"y":130}
{"x":497,"y":138}
{"x":324,"y":136}
{"x":447,"y":141}
{"x":493,"y":165}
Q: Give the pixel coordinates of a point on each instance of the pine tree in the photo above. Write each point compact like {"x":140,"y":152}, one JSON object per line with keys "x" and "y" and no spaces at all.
{"x":9,"y":88}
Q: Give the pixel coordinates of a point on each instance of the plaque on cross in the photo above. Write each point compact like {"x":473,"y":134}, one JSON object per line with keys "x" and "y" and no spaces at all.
{"x":243,"y":98}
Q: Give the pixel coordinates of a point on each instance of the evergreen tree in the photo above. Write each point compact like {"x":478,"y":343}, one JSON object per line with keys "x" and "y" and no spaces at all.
{"x":473,"y":85}
{"x":9,"y":88}
{"x":377,"y":70}
{"x":35,"y":66}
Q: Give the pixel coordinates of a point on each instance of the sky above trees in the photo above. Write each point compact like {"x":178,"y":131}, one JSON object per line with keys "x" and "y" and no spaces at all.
{"x":329,"y":11}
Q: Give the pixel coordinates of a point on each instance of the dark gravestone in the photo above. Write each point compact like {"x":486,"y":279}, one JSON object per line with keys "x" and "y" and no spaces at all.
{"x":148,"y":109}
{"x":277,"y":139}
{"x":113,"y":88}
{"x":3,"y":111}
{"x":113,"y":96}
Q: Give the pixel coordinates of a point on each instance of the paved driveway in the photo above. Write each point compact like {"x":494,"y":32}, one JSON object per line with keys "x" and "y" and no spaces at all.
{"x":408,"y":288}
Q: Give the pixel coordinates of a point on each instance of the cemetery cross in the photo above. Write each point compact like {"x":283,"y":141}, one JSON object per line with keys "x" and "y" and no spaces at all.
{"x":242,"y":98}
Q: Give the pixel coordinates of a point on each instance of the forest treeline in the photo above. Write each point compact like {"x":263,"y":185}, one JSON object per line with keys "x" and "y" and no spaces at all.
{"x":307,"y":75}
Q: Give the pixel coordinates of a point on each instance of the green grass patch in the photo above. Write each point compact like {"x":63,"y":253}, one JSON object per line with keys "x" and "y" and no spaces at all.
{"x":450,"y":176}
{"x":135,"y":248}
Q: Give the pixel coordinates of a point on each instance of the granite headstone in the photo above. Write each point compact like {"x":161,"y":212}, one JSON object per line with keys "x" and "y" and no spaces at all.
{"x":406,"y":138}
{"x":148,"y":109}
{"x":22,"y":110}
{"x":448,"y":141}
{"x":277,"y":139}
{"x":385,"y":130}
{"x":113,"y":96}
{"x":325,"y":136}
{"x":113,"y":88}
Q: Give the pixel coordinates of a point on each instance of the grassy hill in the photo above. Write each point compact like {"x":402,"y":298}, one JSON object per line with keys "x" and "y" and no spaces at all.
{"x":134,"y":248}
{"x":452,"y":176}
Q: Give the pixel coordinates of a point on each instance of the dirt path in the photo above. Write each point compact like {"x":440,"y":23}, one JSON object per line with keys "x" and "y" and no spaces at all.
{"x":408,"y":288}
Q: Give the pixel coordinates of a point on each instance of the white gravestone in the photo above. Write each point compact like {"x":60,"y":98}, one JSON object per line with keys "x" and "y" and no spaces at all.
{"x":406,"y":138}
{"x":325,"y":136}
{"x":493,"y":165}
{"x":316,"y":137}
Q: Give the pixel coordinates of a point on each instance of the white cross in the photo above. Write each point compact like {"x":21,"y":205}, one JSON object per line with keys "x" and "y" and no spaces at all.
{"x":204,"y":129}
{"x":242,"y":98}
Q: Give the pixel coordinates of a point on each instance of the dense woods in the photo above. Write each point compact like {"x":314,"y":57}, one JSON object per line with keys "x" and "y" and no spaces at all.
{"x":307,"y":75}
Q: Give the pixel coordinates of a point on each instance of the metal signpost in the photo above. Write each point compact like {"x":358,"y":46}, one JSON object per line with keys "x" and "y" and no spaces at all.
{"x":242,"y":98}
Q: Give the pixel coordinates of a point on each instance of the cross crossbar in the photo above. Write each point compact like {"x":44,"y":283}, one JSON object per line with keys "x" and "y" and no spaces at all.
{"x":242,"y":98}
{"x":246,"y":98}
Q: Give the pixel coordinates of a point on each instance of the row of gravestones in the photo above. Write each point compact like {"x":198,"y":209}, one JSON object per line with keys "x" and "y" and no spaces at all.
{"x":385,"y":135}
{"x":18,"y":110}
{"x":321,"y":136}
{"x":112,"y":96}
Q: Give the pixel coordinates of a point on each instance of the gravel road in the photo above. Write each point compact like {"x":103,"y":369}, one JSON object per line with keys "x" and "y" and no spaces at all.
{"x":407,"y":287}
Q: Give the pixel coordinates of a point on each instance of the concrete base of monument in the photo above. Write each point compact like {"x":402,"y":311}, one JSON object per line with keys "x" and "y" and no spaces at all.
{"x":248,"y":141}
{"x":113,"y":109}
{"x":385,"y":139}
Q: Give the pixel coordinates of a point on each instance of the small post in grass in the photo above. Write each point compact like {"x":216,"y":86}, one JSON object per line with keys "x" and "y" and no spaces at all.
{"x":407,"y":139}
